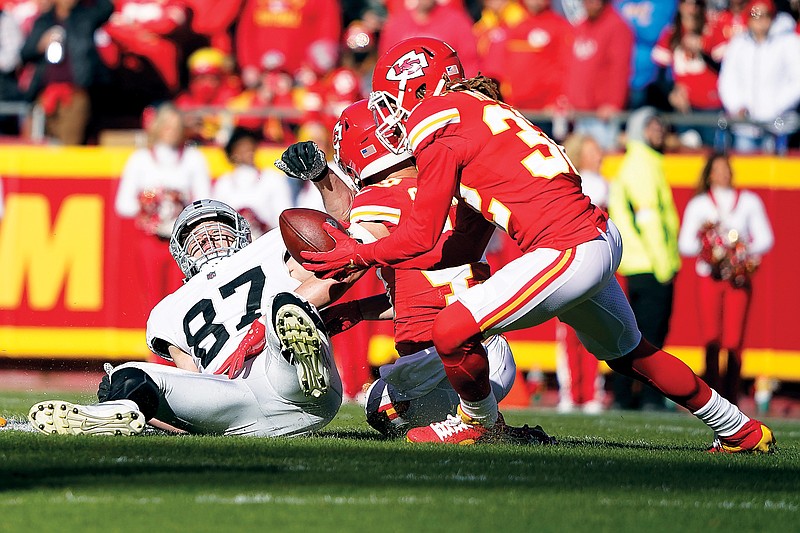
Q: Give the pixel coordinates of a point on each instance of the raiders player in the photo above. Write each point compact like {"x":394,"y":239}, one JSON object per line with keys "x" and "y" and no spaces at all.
{"x":283,"y":384}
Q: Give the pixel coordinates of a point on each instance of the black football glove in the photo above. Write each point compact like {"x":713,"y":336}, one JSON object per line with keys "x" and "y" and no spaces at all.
{"x":305,"y":161}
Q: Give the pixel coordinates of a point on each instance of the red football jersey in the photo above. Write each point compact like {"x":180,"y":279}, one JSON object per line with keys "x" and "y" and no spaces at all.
{"x":417,"y":295}
{"x":502,"y":166}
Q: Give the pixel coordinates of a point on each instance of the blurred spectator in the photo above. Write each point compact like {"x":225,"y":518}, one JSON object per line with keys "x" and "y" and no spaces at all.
{"x":325,"y":99}
{"x":726,"y":25}
{"x":572,"y":10}
{"x":472,"y":7}
{"x":733,"y":20}
{"x":11,"y":40}
{"x":597,"y":78}
{"x":211,"y":84}
{"x":760,"y":81}
{"x":25,"y":12}
{"x":140,"y":40}
{"x":259,"y":196}
{"x":212,"y":20}
{"x":683,"y":50}
{"x":274,"y":90}
{"x":285,"y":34}
{"x":359,"y":52}
{"x":67,"y":66}
{"x":580,"y":385}
{"x":727,"y":229}
{"x":496,"y":16}
{"x":427,"y":18}
{"x":647,"y":19}
{"x":157,"y":183}
{"x":642,"y":207}
{"x":540,"y":44}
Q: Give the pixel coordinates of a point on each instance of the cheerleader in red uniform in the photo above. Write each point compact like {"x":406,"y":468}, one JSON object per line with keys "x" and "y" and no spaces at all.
{"x":727,"y":229}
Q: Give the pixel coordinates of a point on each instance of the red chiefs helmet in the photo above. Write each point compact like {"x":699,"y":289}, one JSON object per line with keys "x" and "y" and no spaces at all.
{"x":409,"y":71}
{"x":357,"y":150}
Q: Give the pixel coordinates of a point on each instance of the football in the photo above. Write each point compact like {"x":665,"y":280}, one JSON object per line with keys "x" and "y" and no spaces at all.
{"x":303,"y":230}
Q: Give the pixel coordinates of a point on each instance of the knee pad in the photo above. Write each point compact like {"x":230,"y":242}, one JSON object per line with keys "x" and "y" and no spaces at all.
{"x":134,"y":384}
{"x":453,"y":327}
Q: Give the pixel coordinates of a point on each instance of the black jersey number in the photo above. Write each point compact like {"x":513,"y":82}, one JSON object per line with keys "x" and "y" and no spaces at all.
{"x":205,"y":307}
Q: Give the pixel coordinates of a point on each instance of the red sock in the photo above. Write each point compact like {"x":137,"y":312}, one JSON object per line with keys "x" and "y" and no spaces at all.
{"x":666,"y":373}
{"x":457,"y":338}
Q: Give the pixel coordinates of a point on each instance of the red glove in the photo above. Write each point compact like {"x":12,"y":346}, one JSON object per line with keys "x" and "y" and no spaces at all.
{"x":252,"y":344}
{"x":346,"y":257}
{"x":341,"y":317}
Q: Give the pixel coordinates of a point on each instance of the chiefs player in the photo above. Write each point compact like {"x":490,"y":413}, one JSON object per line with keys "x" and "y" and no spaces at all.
{"x":413,"y":391}
{"x":467,"y":142}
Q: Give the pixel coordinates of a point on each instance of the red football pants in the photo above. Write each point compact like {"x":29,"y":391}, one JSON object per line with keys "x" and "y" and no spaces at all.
{"x":723,"y":312}
{"x":580,"y":366}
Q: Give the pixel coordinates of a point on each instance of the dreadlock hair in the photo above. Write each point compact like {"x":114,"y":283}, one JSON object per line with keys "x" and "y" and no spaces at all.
{"x":480,"y":83}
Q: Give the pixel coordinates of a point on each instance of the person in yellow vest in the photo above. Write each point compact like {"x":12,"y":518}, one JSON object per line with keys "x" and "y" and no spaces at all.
{"x":642,"y":207}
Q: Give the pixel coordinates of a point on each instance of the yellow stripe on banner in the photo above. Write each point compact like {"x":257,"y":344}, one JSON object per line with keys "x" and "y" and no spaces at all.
{"x":753,"y":172}
{"x":99,"y":161}
{"x":29,"y":161}
{"x":783,"y":365}
{"x":73,"y":343}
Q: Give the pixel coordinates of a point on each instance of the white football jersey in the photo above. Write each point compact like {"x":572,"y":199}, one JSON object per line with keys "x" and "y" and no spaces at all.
{"x":208,"y":317}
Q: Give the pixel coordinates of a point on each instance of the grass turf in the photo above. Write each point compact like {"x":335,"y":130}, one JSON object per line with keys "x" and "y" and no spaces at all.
{"x":613,"y":472}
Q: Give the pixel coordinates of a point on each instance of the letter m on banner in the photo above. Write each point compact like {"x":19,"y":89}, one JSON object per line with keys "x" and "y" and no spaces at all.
{"x":64,"y":256}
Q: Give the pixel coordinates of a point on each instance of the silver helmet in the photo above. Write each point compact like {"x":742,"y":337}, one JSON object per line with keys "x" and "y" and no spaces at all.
{"x":205,"y":232}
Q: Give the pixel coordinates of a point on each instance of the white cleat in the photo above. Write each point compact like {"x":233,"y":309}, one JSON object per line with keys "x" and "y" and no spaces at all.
{"x":120,"y":417}
{"x":302,"y":347}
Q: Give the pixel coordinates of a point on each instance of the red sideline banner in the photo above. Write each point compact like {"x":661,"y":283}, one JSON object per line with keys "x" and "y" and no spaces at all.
{"x":69,"y":287}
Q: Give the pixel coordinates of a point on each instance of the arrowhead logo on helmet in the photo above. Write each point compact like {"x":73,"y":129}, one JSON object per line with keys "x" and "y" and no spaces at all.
{"x":411,"y":65}
{"x":408,"y":72}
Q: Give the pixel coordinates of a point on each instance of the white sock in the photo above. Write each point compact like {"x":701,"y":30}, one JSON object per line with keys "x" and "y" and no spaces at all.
{"x":483,"y":411}
{"x":721,"y":415}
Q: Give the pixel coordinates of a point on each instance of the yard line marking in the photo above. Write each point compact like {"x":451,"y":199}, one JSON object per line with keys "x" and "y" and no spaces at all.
{"x":261,"y":498}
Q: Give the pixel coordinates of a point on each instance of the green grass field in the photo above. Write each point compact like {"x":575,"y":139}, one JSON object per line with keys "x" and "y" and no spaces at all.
{"x":613,"y":472}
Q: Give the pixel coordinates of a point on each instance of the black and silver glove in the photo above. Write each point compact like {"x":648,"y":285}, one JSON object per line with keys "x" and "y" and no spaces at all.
{"x":305,"y":161}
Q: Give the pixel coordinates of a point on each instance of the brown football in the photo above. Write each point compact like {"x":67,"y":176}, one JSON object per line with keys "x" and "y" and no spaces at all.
{"x":302,"y":231}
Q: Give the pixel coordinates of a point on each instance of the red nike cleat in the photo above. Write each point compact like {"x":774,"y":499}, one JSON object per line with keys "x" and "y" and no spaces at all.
{"x":754,"y":437}
{"x":459,"y":429}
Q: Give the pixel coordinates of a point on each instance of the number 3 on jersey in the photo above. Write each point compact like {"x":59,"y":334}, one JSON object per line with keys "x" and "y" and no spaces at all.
{"x":546,"y":160}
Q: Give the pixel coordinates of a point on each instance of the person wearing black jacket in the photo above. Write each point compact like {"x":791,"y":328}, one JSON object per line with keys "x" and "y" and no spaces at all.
{"x":61,"y":45}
